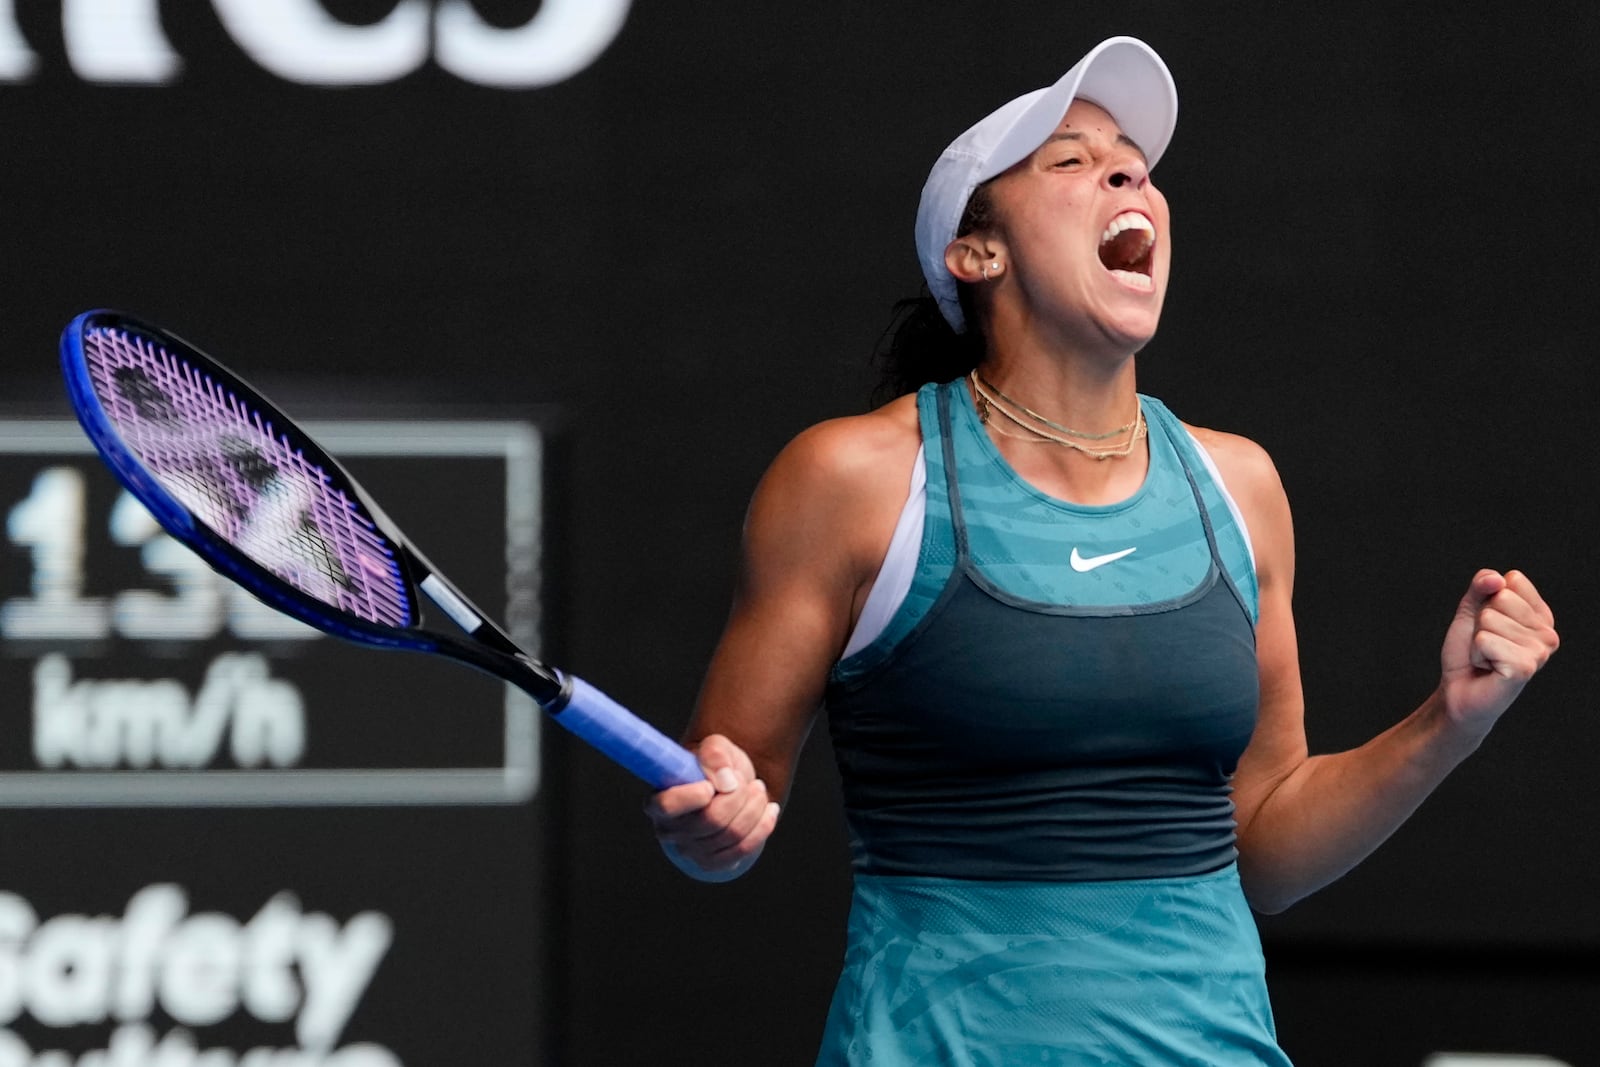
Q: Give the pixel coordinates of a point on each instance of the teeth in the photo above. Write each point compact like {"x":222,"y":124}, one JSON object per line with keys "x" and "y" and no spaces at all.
{"x":1128,"y":220}
{"x":1135,"y":279}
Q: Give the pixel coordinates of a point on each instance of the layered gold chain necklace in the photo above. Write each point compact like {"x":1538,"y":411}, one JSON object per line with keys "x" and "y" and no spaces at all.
{"x":1041,"y":430}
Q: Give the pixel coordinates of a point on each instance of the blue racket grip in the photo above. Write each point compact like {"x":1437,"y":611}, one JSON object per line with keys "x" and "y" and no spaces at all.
{"x":625,"y":737}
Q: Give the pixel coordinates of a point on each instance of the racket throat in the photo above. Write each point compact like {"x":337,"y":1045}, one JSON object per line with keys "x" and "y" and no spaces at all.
{"x":558,"y":703}
{"x":552,"y":689}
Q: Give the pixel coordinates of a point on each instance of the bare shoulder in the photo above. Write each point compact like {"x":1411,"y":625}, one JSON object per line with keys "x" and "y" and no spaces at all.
{"x":828,"y":504}
{"x":851,"y":459}
{"x":1247,"y":470}
{"x":1252,"y":480}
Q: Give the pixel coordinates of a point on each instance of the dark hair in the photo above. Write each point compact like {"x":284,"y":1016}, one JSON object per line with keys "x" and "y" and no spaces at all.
{"x":919,"y":345}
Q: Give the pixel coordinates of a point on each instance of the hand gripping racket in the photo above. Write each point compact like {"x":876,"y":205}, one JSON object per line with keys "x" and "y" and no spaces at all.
{"x":231,"y":476}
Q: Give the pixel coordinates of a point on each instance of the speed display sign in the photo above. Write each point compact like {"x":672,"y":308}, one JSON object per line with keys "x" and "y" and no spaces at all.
{"x":145,"y":678}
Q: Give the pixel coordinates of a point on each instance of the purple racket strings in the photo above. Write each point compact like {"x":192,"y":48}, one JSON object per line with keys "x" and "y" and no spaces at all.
{"x":249,"y":484}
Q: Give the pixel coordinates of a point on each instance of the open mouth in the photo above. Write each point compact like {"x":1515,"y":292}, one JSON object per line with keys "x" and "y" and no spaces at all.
{"x":1127,"y":249}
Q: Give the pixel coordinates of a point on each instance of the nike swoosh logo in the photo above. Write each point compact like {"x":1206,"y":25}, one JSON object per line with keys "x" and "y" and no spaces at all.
{"x":1082,"y":565}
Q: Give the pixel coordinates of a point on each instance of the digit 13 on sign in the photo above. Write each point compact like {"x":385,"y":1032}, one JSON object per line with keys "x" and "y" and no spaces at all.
{"x":190,"y":603}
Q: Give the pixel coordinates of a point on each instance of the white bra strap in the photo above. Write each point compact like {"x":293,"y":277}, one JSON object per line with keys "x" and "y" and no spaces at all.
{"x":889,"y":588}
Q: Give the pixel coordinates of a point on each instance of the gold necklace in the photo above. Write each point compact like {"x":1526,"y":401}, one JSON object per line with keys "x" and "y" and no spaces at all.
{"x":987,"y":389}
{"x":1138,"y":426}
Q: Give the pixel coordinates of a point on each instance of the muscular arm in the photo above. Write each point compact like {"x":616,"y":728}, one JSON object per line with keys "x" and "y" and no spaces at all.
{"x":817,"y":530}
{"x":1305,"y":820}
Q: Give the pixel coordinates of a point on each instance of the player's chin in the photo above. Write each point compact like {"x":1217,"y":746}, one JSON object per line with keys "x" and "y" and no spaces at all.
{"x":1131,"y":329}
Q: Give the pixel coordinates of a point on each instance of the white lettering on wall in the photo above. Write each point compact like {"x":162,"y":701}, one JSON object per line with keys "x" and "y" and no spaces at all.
{"x":300,"y":42}
{"x":51,"y":523}
{"x":138,"y":1046}
{"x":121,"y":41}
{"x":17,"y":61}
{"x":117,"y":41}
{"x":282,"y":964}
{"x":136,"y":723}
{"x":565,"y":37}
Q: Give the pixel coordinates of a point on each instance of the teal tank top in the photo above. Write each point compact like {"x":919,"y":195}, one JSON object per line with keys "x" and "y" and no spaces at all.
{"x":1065,"y":690}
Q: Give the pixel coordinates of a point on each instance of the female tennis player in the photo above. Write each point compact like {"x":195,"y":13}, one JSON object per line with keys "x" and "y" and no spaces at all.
{"x":1051,"y":627}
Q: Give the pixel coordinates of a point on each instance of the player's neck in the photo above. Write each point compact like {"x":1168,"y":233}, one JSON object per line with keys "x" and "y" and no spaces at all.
{"x":1089,"y":396}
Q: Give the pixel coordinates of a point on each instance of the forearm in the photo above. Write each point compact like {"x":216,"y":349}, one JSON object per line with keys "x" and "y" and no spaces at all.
{"x":1331,"y":811}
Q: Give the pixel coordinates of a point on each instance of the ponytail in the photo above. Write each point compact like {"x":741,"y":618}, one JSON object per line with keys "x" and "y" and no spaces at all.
{"x":919,"y":345}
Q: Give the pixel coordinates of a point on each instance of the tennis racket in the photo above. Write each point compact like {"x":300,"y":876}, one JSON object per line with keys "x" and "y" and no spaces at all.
{"x":232,"y":477}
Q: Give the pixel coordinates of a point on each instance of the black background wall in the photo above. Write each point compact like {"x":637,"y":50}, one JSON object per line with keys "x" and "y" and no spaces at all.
{"x":679,"y":256}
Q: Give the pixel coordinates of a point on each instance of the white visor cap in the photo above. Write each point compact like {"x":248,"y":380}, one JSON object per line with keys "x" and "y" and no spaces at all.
{"x":1121,"y":74}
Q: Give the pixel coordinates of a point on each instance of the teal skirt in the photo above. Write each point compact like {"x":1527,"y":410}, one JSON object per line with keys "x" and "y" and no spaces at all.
{"x":1153,"y":972}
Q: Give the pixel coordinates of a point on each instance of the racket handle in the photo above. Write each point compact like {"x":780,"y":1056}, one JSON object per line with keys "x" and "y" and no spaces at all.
{"x":625,"y":737}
